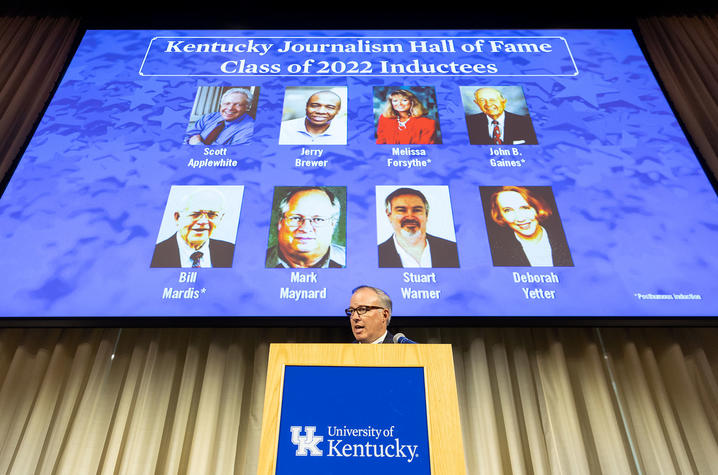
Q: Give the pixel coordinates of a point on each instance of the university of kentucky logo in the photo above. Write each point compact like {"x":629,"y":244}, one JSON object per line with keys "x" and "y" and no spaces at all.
{"x":363,"y":442}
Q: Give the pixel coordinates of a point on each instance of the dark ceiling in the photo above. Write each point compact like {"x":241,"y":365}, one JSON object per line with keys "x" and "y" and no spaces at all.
{"x":367,"y":14}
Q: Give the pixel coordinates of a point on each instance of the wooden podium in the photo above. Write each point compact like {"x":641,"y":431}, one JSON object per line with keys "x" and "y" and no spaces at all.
{"x":445,"y":447}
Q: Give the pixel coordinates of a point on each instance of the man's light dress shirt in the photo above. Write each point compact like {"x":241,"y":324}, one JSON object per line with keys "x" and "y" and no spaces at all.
{"x":236,"y":132}
{"x":378,"y":340}
{"x":408,"y":261}
{"x":294,"y":132}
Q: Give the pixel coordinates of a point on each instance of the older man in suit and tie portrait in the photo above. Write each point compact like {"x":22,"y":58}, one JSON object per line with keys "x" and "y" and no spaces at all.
{"x":495,"y":125}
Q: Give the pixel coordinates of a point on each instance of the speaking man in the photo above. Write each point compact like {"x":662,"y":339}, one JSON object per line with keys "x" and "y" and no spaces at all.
{"x":369,"y":314}
{"x":307,"y":219}
{"x":191,"y":246}
{"x":410,"y":245}
{"x":319,"y":126}
{"x":495,"y":125}
{"x":230,"y":126}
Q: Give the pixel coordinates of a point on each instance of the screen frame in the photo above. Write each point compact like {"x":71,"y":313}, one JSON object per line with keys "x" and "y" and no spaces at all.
{"x":399,"y":321}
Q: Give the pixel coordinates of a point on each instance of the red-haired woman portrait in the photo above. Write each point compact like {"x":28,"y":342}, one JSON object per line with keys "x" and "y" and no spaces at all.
{"x":527,"y":231}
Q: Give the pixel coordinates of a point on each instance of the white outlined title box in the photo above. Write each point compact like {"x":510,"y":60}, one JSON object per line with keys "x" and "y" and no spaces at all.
{"x":357,"y":56}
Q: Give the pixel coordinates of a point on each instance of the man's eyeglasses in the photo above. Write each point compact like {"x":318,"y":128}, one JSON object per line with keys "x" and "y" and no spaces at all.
{"x":211,"y":215}
{"x":361,"y":310}
{"x":297,"y":221}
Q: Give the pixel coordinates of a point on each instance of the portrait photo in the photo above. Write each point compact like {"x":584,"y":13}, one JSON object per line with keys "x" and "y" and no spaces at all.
{"x":222,"y":116}
{"x":199,"y":227}
{"x":406,"y":115}
{"x":524,"y":227}
{"x":497,"y":115}
{"x":314,"y":116}
{"x":307,"y":227}
{"x":415,"y":226}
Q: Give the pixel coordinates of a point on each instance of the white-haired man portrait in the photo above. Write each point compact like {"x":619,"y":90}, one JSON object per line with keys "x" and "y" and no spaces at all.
{"x":231,"y":125}
{"x":196,"y":218}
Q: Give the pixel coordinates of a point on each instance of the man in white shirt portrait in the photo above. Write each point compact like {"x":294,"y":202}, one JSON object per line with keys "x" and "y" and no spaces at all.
{"x":407,"y":210}
{"x":321,"y":123}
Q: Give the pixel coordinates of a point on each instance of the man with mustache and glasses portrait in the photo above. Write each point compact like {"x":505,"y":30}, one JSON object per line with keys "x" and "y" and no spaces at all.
{"x":316,"y":120}
{"x":305,"y":223}
{"x":407,"y":210}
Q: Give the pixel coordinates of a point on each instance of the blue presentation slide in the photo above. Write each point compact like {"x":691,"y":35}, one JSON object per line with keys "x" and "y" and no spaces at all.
{"x":268,"y":173}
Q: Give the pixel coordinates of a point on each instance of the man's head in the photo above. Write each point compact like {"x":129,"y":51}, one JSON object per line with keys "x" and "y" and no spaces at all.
{"x":408,"y":212}
{"x":369,"y":313}
{"x":322,"y":107}
{"x":235,"y":103}
{"x":490,"y":101}
{"x":198,"y":216}
{"x":515,"y":207}
{"x":306,"y":225}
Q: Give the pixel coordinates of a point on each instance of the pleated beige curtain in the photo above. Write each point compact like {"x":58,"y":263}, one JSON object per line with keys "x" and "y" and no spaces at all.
{"x":684,"y":51}
{"x":33,"y":52}
{"x":535,"y":401}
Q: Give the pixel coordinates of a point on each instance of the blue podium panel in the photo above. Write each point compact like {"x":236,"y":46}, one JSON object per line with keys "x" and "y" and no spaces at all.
{"x":353,"y":420}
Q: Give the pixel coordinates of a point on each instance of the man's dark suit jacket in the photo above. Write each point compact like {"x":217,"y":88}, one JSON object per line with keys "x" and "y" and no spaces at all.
{"x":167,"y":253}
{"x":516,"y":127}
{"x":443,"y":253}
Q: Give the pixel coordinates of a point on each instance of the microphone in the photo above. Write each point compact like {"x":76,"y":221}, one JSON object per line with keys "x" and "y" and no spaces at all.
{"x":401,"y":338}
